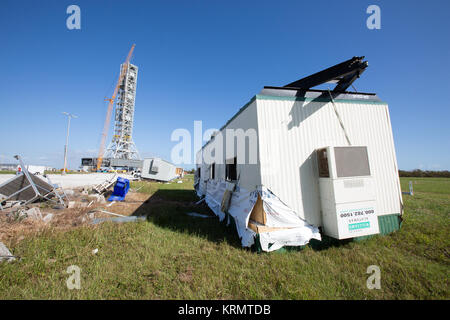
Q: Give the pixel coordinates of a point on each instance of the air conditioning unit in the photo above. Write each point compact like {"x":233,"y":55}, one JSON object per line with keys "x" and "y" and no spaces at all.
{"x":347,"y":192}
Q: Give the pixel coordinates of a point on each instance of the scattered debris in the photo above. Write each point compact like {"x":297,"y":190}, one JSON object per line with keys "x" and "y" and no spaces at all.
{"x":200,"y":201}
{"x":199,"y":215}
{"x":10,"y":204}
{"x":105,"y":185}
{"x":5,"y":254}
{"x":95,"y":251}
{"x":109,"y":205}
{"x":27,"y":188}
{"x":98,"y":198}
{"x":17,"y":215}
{"x":74,"y":204}
{"x":119,"y":219}
{"x":15,"y":225}
{"x":69,"y":192}
{"x":34,"y":213}
{"x":48,"y":218}
{"x":111,"y":213}
{"x":179,"y":181}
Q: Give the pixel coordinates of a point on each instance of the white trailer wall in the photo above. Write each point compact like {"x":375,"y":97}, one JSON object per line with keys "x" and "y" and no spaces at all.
{"x":290,"y":130}
{"x":248,"y":174}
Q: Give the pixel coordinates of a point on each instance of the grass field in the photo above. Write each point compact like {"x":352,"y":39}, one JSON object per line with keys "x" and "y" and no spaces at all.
{"x":176,"y":256}
{"x":7,"y":172}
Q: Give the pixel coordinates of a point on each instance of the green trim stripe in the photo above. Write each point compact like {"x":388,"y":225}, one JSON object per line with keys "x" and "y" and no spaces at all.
{"x":266,"y":97}
{"x":389,"y":223}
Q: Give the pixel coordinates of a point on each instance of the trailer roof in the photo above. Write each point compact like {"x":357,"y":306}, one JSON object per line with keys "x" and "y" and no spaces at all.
{"x":312,"y":95}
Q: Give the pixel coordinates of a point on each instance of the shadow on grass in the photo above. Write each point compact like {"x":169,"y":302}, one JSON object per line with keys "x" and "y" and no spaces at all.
{"x":168,"y":209}
{"x":327,"y":242}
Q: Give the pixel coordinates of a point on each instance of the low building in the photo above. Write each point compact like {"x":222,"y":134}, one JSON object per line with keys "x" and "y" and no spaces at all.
{"x":158,"y":169}
{"x":323,"y":157}
{"x":8,"y":167}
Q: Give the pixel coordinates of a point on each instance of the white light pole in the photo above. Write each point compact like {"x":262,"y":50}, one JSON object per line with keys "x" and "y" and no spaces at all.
{"x":67,"y":139}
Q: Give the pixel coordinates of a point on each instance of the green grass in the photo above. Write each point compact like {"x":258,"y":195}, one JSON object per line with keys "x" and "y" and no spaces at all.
{"x":7,"y":172}
{"x":175,"y":256}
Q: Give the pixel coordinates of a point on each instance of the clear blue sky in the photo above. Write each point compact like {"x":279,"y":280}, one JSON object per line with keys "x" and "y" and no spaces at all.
{"x":203,"y":60}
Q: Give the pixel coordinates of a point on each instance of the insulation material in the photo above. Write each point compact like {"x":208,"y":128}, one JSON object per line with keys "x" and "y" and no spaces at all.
{"x":260,"y":211}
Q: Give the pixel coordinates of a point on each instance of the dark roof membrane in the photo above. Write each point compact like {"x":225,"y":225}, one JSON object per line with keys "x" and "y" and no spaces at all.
{"x":343,"y":74}
{"x":318,"y":94}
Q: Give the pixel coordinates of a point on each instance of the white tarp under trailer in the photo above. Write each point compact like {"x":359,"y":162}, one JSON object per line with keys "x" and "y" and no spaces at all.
{"x":324,"y":161}
{"x":259,"y":212}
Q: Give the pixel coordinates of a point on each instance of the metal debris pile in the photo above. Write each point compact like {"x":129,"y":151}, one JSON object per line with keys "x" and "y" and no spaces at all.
{"x":26,"y":188}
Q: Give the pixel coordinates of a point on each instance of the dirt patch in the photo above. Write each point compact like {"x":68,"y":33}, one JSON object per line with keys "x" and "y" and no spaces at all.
{"x":13,"y":230}
{"x":186,"y":276}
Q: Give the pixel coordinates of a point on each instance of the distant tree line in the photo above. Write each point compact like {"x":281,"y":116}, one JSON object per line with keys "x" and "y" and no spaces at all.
{"x":424,"y":174}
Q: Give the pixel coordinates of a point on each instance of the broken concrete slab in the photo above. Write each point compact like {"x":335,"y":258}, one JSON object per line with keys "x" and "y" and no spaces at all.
{"x":74,"y":204}
{"x":5,"y":254}
{"x":17,"y":215}
{"x":85,"y":191}
{"x":34,"y":214}
{"x":69,"y":192}
{"x":48,"y":218}
{"x":101,"y":199}
{"x":111,"y":213}
{"x":98,"y":197}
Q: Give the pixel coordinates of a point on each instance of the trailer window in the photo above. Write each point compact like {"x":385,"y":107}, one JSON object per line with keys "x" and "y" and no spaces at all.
{"x":154,"y":168}
{"x":351,"y":161}
{"x":322,"y":159}
{"x":231,"y":169}
{"x":198,"y":172}
{"x":213,"y":171}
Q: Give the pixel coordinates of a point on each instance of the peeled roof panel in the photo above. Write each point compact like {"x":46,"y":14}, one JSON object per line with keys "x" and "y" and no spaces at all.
{"x":20,"y":182}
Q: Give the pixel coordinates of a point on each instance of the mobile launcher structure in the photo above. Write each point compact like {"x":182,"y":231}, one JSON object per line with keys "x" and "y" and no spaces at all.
{"x":326,"y":164}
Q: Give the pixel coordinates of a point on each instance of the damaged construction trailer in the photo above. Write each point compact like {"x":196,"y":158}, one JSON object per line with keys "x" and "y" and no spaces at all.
{"x":158,"y":169}
{"x":324,"y":159}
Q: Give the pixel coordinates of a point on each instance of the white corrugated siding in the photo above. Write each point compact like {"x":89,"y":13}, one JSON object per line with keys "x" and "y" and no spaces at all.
{"x":249,"y":174}
{"x":290,"y":131}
